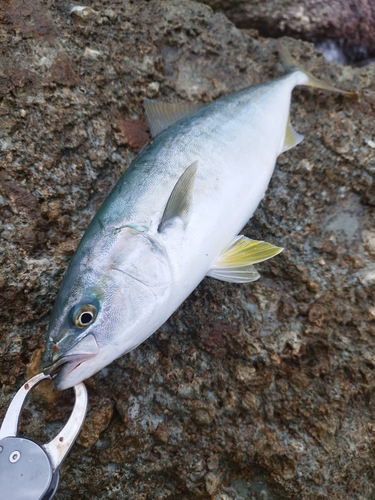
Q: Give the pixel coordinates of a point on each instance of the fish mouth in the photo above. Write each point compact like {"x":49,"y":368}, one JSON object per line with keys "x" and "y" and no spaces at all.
{"x":67,"y":369}
{"x":84,"y":350}
{"x":66,"y":364}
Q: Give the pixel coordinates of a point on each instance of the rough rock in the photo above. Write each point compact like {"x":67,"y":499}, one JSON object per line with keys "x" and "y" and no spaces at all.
{"x":248,"y":391}
{"x":351,"y":24}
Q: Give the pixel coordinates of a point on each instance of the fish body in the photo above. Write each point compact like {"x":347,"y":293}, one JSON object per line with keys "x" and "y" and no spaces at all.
{"x":172,"y":219}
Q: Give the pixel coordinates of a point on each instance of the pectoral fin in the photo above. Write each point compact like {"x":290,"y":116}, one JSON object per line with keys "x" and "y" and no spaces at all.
{"x":235,"y":264}
{"x":161,"y":115}
{"x":292,"y":138}
{"x":181,"y":197}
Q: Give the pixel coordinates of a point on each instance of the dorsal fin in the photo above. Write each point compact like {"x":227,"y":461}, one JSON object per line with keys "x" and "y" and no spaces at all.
{"x":161,"y":115}
{"x":180,"y":199}
{"x":292,"y":138}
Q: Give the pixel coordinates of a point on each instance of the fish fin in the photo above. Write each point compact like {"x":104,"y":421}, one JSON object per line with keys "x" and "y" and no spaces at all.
{"x":161,"y":115}
{"x":180,"y":199}
{"x":290,"y":66}
{"x":235,"y":264}
{"x":244,"y":251}
{"x":292,"y":138}
{"x":244,"y":274}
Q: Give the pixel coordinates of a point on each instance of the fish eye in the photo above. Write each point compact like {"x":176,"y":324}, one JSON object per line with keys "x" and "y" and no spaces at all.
{"x":84,"y":316}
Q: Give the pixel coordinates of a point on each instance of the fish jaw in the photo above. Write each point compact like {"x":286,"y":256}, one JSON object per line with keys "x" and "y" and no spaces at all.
{"x":84,"y":350}
{"x":71,"y":375}
{"x":80,"y":367}
{"x":81,"y":362}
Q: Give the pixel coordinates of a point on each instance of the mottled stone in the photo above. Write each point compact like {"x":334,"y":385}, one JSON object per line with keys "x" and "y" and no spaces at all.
{"x":96,"y":422}
{"x":135,"y":133}
{"x":350,"y":23}
{"x":263,"y":390}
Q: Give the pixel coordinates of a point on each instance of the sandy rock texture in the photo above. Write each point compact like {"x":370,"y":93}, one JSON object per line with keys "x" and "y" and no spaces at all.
{"x":262,"y":391}
{"x":349,"y":23}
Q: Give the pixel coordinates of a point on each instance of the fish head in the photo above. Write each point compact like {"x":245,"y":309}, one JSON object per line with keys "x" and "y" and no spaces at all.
{"x":111,"y":300}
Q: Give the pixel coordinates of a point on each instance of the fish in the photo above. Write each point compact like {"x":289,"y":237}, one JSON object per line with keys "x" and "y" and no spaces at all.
{"x":173,"y":218}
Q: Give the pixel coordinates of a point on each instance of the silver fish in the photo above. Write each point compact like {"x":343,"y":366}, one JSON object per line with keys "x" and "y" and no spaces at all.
{"x":172,"y":219}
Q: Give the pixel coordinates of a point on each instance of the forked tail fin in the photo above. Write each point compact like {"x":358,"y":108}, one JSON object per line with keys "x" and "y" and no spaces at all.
{"x":290,"y":65}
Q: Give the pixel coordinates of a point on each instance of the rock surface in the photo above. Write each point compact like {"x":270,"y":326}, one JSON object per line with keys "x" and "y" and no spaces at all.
{"x":261,"y":391}
{"x":349,"y":23}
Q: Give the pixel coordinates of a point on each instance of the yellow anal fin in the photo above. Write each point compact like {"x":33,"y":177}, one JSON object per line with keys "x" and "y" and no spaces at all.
{"x":290,"y":65}
{"x":244,"y":251}
{"x":292,"y":138}
{"x":235,"y":264}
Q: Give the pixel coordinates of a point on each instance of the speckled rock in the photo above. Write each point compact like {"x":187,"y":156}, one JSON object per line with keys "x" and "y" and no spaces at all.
{"x":261,"y":391}
{"x":349,"y":23}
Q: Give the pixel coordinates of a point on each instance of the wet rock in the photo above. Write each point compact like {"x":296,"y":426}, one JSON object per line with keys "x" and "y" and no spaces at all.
{"x":82,"y":13}
{"x":204,"y":413}
{"x":135,"y":133}
{"x":263,"y":390}
{"x":349,"y":24}
{"x":96,"y":422}
{"x":30,"y":18}
{"x":62,"y":71}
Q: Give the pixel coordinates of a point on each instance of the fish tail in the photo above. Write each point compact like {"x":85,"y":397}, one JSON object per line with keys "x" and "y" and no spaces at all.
{"x":290,"y":66}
